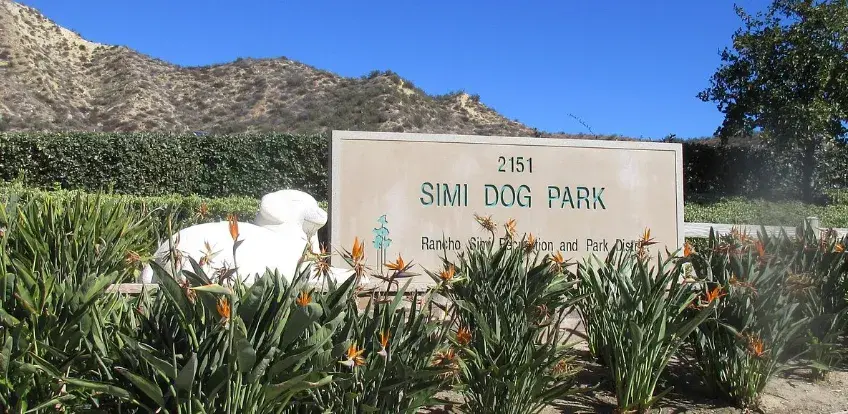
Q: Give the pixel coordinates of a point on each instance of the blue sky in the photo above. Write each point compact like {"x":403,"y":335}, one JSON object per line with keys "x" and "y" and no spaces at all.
{"x":631,"y":68}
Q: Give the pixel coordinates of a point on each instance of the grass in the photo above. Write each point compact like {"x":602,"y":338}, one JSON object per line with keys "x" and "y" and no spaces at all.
{"x":739,"y":210}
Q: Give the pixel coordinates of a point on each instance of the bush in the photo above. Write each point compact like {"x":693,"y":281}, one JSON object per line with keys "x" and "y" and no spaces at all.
{"x":210,"y":346}
{"x":818,"y":266}
{"x":737,"y":170}
{"x":160,"y":164}
{"x":761,"y":212}
{"x":395,"y":373}
{"x":760,"y":287}
{"x":507,"y":352}
{"x":636,"y":318}
{"x":56,"y":260}
{"x":201,"y":346}
{"x":183,"y":211}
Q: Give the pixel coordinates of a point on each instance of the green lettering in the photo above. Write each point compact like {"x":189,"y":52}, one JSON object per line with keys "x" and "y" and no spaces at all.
{"x":551,"y":196}
{"x":584,"y":197}
{"x":567,"y":196}
{"x":597,"y":197}
{"x":425,"y":189}
{"x":511,"y":193}
{"x":449,"y":198}
{"x":488,"y":203}
{"x":524,"y":200}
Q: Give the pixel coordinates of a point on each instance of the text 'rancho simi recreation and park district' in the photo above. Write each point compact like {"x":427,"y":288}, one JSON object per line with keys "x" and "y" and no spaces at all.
{"x":421,"y":195}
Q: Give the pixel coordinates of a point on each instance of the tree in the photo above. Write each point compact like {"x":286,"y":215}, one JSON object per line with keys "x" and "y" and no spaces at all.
{"x":786,"y":77}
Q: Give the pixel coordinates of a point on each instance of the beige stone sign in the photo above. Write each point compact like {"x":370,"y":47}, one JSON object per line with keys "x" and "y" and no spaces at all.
{"x":417,"y":194}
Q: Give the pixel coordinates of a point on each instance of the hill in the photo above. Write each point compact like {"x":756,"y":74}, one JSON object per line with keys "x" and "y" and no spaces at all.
{"x":52,"y":79}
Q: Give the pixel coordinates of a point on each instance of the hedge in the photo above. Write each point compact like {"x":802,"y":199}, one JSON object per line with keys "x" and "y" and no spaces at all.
{"x":160,"y":164}
{"x":256,"y":164}
{"x":756,"y":171}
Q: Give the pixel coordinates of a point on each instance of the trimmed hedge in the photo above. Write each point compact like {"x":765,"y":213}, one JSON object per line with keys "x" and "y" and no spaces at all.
{"x":255,"y":164}
{"x":160,"y":164}
{"x":757,"y":171}
{"x":728,"y":171}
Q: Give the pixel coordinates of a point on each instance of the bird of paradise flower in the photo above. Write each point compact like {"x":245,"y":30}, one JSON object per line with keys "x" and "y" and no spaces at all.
{"x":381,"y":241}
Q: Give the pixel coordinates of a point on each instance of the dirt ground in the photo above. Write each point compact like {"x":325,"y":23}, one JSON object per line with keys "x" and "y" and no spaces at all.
{"x":790,"y":392}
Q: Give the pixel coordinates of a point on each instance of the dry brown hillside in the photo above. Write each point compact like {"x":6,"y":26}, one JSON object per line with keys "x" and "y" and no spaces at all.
{"x":53,"y":79}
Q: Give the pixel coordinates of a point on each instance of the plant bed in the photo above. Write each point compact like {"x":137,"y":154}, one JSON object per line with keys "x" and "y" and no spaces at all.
{"x":791,"y":393}
{"x":512,"y":341}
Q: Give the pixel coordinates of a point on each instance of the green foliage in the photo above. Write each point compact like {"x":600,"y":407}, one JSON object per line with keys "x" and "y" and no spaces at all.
{"x":182,"y":211}
{"x":636,"y":318}
{"x":785,"y":76}
{"x":819,"y":269}
{"x":740,"y":210}
{"x":252,"y":165}
{"x":206,"y":347}
{"x":277,"y":346}
{"x":55,"y":318}
{"x":743,"y":346}
{"x":159,"y":164}
{"x":737,"y":170}
{"x":191,"y":346}
{"x":76,"y":237}
{"x":508,"y":351}
{"x":397,"y":378}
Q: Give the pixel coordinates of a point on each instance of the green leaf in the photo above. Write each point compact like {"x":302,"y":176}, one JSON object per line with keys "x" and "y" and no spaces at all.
{"x":185,"y":379}
{"x":100,"y":387}
{"x":214,"y":288}
{"x":291,"y":387}
{"x":260,"y":368}
{"x":246,"y":355}
{"x":56,"y":401}
{"x":300,"y":319}
{"x":97,"y":288}
{"x":149,"y":389}
{"x":164,"y":368}
{"x":7,"y":319}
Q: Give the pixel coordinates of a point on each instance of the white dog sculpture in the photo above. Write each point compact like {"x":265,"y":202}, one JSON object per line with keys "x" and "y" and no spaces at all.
{"x":292,"y":212}
{"x":285,"y":222}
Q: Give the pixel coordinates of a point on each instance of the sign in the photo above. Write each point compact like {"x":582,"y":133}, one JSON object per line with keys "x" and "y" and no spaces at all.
{"x":417,"y":195}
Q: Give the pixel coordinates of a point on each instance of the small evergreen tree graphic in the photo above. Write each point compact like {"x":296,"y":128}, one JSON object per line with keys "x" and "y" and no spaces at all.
{"x":381,"y":241}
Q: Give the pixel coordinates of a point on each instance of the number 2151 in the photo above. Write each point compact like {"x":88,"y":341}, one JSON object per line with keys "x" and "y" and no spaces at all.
{"x":515,"y":164}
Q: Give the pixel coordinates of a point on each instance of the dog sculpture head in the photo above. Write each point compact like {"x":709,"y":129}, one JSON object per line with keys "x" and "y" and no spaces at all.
{"x":288,"y":209}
